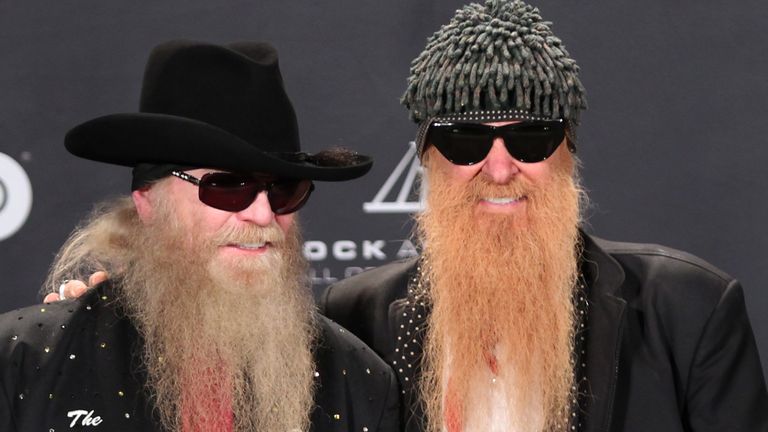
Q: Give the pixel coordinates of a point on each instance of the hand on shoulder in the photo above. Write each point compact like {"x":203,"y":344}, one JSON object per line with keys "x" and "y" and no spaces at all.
{"x":76,"y":288}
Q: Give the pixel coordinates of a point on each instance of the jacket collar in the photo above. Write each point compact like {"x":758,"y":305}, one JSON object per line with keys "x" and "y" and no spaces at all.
{"x":604,"y":277}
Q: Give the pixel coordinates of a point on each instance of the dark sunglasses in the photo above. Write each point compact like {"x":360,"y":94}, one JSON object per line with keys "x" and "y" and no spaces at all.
{"x":235,"y":192}
{"x":469,"y":143}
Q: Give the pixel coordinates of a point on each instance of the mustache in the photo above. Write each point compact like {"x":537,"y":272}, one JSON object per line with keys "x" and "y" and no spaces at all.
{"x":250,"y":234}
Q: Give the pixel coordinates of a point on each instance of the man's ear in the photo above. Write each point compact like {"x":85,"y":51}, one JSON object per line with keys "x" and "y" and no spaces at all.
{"x":142,"y":201}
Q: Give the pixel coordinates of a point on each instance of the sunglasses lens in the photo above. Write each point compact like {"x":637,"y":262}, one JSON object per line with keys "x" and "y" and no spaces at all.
{"x":228,"y":192}
{"x":462,"y":144}
{"x":289,"y":196}
{"x":533,"y":141}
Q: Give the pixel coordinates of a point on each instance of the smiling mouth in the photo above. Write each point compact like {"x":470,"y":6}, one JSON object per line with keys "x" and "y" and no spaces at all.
{"x":503,"y":200}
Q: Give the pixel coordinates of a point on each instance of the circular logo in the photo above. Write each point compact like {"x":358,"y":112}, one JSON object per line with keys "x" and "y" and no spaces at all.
{"x":15,"y":196}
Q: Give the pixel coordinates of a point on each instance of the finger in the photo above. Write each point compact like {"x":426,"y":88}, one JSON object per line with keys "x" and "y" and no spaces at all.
{"x":97,"y":278}
{"x":50,"y":298}
{"x":74,"y":289}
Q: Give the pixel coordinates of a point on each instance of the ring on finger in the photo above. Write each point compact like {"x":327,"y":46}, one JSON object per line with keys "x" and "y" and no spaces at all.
{"x":61,"y":289}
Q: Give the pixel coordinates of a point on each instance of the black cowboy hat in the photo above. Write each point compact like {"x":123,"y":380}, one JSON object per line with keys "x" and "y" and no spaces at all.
{"x":211,"y":106}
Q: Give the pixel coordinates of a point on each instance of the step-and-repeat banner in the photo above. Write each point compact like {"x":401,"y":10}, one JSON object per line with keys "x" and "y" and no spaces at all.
{"x":674,"y":144}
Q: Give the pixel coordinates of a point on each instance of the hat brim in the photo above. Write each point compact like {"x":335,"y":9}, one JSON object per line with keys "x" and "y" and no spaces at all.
{"x":132,"y":138}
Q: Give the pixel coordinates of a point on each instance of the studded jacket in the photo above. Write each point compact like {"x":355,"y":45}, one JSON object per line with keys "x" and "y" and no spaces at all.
{"x":72,"y":365}
{"x":669,"y":346}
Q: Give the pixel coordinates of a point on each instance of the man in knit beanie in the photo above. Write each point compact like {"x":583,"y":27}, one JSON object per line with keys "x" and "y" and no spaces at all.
{"x":513,"y":318}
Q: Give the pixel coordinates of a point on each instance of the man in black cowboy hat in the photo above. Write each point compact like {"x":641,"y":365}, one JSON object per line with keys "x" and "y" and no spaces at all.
{"x":513,"y":319}
{"x":207,"y":323}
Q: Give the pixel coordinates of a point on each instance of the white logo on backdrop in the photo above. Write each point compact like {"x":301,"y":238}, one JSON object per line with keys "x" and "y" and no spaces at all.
{"x":15,"y":196}
{"x":405,"y":174}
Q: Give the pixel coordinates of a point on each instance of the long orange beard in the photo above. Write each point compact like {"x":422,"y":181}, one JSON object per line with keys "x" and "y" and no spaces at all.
{"x":501,"y":289}
{"x":227,"y":342}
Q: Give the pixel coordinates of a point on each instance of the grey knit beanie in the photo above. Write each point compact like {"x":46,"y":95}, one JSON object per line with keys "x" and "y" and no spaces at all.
{"x":494,"y":61}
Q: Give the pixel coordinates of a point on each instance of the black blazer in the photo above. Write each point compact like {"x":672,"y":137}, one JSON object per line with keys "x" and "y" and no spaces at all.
{"x":669,"y":344}
{"x":82,"y":355}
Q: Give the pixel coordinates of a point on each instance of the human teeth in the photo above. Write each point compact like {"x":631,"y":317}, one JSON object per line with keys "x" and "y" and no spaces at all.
{"x":250,"y":245}
{"x":501,"y":200}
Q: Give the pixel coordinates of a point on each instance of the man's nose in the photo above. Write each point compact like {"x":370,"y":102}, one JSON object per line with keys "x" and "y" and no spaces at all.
{"x":259,"y":212}
{"x":499,"y":165}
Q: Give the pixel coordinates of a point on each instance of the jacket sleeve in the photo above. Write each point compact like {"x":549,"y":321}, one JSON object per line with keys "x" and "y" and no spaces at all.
{"x":726,"y":389}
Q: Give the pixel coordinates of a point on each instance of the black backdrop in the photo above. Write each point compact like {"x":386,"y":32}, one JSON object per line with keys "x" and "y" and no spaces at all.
{"x":674,"y":142}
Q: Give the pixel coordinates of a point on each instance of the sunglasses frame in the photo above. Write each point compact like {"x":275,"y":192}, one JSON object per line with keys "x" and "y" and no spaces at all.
{"x":490,"y":133}
{"x":263,"y":186}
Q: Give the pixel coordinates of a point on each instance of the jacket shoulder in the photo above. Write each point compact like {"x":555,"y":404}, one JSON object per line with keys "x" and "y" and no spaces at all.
{"x":678,"y":288}
{"x":662,"y":255}
{"x":42,"y":324}
{"x":370,"y":288}
{"x":362,"y":303}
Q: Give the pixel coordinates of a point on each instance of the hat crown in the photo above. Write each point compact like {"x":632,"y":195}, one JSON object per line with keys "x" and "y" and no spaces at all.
{"x":237,"y":88}
{"x":498,"y":55}
{"x":204,"y":105}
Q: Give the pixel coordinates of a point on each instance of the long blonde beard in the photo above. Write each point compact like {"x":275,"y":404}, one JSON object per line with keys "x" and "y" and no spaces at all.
{"x":500,"y":285}
{"x":222,"y":336}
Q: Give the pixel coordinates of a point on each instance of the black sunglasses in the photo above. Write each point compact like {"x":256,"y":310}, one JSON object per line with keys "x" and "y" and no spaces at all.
{"x":469,"y":143}
{"x":235,"y":192}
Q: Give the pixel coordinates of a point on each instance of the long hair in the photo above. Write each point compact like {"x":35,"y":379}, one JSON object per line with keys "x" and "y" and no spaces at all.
{"x":97,"y":244}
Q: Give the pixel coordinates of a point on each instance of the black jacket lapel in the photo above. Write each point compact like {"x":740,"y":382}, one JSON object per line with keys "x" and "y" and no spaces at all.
{"x":604,"y":331}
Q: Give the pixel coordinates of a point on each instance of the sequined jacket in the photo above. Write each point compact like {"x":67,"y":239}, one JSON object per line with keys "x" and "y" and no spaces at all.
{"x":72,"y":365}
{"x":669,"y":346}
